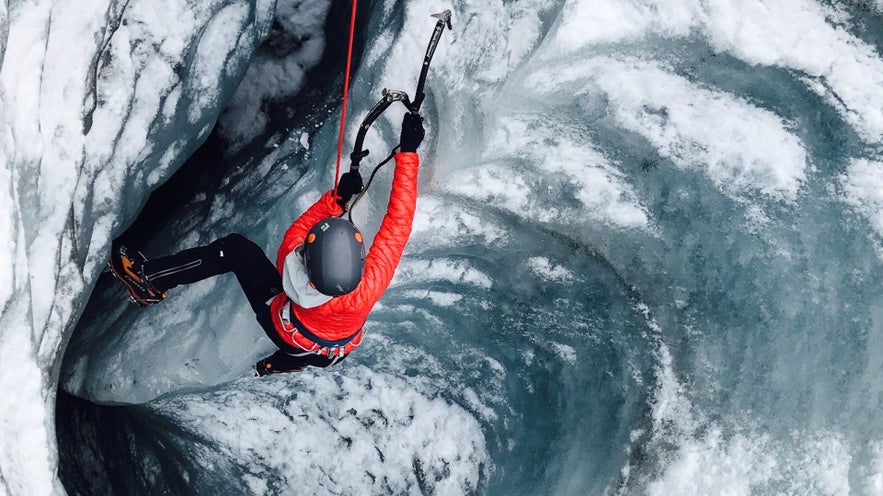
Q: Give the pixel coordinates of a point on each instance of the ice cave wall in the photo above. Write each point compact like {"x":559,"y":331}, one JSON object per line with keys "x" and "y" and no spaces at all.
{"x":100,"y":101}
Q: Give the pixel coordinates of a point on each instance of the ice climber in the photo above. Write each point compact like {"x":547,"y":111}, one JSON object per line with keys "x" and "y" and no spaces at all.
{"x":314,"y":301}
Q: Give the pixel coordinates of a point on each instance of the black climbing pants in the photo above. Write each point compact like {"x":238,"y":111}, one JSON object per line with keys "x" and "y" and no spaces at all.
{"x":257,"y":275}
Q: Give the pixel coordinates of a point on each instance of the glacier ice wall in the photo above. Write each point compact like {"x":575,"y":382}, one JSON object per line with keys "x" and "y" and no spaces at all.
{"x":99,"y":103}
{"x":646,"y":260}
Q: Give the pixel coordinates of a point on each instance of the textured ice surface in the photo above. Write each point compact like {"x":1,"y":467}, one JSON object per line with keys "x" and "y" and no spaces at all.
{"x":379,"y":434}
{"x":646,"y":257}
{"x":99,"y":103}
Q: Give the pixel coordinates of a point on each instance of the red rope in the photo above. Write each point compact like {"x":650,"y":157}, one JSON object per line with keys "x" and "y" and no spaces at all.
{"x":346,"y":88}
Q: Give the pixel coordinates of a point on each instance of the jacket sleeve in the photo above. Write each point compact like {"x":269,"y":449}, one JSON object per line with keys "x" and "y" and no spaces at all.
{"x":297,"y":232}
{"x":395,"y":229}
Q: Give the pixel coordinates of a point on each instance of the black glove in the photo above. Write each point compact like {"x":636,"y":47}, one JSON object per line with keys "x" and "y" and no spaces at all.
{"x":350,"y":184}
{"x":412,"y":132}
{"x":278,"y":362}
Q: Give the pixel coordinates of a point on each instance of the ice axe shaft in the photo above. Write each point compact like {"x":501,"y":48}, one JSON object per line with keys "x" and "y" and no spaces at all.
{"x":392,"y":96}
{"x":444,"y":19}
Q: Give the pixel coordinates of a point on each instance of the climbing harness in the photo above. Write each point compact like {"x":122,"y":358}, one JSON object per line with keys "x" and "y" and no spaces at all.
{"x":302,"y":338}
{"x":390,"y":97}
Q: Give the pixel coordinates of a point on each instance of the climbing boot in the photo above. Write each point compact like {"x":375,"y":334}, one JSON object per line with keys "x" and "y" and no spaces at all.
{"x":128,"y":267}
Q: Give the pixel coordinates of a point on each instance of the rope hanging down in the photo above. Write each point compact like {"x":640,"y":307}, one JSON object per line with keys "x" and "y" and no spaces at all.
{"x":346,"y":87}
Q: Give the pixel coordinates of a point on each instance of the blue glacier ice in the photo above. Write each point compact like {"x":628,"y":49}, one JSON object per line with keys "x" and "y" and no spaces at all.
{"x":646,"y":258}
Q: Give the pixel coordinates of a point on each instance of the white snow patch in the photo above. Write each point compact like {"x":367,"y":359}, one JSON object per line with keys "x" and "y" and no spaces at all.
{"x":440,"y":269}
{"x":863,"y":188}
{"x":565,"y":352}
{"x":498,"y":37}
{"x":438,"y":223}
{"x":873,"y":474}
{"x":561,"y":151}
{"x":735,"y":456}
{"x":380,"y":432}
{"x":746,"y":148}
{"x":218,"y":40}
{"x":792,"y":34}
{"x":438,"y":298}
{"x":544,"y":268}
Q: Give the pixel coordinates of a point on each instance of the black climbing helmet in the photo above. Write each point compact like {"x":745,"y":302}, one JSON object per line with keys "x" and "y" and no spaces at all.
{"x":334,"y":255}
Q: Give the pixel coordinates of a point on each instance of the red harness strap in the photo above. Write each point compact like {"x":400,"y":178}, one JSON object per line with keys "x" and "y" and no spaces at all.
{"x":297,"y":334}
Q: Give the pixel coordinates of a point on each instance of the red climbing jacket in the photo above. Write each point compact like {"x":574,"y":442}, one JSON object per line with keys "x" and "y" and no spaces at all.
{"x":335,"y":327}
